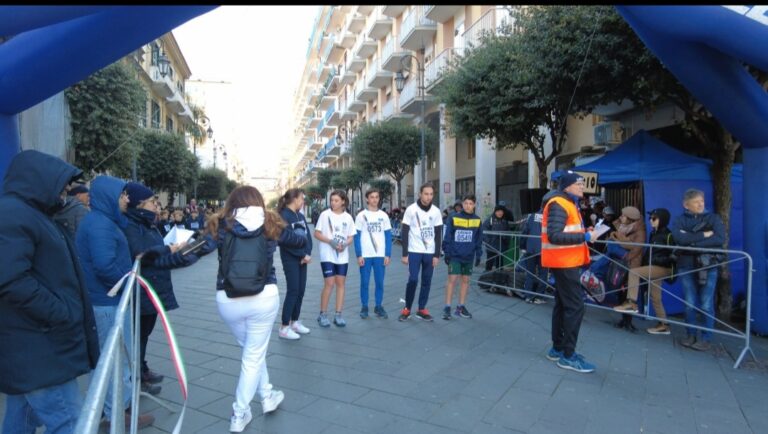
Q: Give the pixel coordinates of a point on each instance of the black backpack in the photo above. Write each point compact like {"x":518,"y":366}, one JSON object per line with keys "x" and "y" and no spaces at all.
{"x":245,"y":265}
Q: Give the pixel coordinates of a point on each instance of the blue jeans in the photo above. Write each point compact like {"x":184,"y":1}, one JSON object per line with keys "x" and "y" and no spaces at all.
{"x":416,"y":262}
{"x":536,"y":277}
{"x":56,"y":407}
{"x":105,"y":319}
{"x":377,"y":265}
{"x":703,"y":297}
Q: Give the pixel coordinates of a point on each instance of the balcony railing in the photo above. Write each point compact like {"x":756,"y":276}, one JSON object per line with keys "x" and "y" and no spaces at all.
{"x":436,"y":69}
{"x":329,"y":112}
{"x":410,"y":92}
{"x":415,"y":18}
{"x":388,"y":110}
{"x":490,"y":22}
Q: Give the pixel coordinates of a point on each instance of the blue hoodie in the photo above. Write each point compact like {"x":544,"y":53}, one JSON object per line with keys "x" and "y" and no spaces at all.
{"x":463,"y":237}
{"x":101,"y":243}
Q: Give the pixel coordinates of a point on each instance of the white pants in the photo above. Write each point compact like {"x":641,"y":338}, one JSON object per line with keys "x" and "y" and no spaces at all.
{"x":251,"y":320}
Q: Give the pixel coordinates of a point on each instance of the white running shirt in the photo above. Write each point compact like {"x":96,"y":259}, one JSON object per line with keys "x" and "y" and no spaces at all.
{"x":372,"y":225}
{"x":421,"y":232}
{"x":340,"y":226}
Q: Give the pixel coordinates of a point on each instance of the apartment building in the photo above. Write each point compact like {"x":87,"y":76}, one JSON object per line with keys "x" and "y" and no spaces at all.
{"x":349,"y":79}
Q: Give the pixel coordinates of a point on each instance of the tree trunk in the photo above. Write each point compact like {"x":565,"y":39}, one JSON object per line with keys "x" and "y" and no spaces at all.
{"x":397,"y":189}
{"x":542,"y":173}
{"x":721,"y":181}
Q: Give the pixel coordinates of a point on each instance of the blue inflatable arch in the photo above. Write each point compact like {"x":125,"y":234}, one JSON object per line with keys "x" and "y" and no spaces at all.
{"x":705,"y":47}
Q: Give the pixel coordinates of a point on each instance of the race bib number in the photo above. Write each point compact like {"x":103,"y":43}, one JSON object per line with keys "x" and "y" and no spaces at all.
{"x":463,"y":236}
{"x":339,"y":239}
{"x":195,"y":225}
{"x":427,"y":234}
{"x":538,"y":217}
{"x":374,"y":227}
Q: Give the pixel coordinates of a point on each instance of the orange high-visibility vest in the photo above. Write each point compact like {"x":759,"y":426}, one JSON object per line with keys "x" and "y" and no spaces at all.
{"x":563,"y":255}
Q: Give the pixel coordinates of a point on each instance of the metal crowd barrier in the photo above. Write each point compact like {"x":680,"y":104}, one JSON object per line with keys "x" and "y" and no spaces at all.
{"x":111,"y":365}
{"x":516,"y":264}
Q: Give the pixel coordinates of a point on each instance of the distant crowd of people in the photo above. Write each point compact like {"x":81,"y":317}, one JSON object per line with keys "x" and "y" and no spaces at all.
{"x":67,"y":245}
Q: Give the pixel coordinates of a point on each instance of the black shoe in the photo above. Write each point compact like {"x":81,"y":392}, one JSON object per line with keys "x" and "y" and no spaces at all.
{"x":423,"y":314}
{"x":447,"y":313}
{"x":464,"y":313}
{"x":151,"y":377}
{"x":152,"y":389}
{"x":380,"y":312}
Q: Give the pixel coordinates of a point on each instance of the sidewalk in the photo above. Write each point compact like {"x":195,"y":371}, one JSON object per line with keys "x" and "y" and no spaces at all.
{"x":487,"y":374}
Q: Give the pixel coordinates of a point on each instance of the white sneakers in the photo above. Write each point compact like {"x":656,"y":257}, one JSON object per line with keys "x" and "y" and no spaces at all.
{"x":238,"y":423}
{"x":270,"y":403}
{"x":299,"y":328}
{"x":288,"y":333}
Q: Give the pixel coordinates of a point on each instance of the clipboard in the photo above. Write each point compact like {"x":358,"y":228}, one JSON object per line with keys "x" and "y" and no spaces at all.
{"x":193,"y":247}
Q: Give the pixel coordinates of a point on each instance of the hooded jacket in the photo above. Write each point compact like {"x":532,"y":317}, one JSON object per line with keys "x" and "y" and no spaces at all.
{"x":492,"y":223}
{"x":252,"y":225}
{"x":636,"y":234}
{"x":463,"y":237}
{"x":47,"y":327}
{"x":101,"y":244}
{"x":298,"y":224}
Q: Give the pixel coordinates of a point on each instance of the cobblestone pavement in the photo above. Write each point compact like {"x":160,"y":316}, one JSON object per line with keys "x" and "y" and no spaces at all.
{"x":486,"y":374}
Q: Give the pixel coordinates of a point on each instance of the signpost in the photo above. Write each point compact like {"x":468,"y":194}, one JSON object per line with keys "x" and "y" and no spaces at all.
{"x":590,"y":182}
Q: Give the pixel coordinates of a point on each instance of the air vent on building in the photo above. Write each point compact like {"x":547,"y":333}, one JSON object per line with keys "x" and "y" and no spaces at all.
{"x":608,"y":133}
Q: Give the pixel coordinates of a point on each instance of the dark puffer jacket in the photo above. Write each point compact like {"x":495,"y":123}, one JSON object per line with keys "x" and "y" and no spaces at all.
{"x":142,"y":236}
{"x":47,"y":329}
{"x":688,"y":230}
{"x":661,"y":236}
{"x":71,"y":216}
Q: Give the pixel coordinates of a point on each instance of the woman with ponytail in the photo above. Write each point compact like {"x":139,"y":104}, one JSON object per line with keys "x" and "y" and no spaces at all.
{"x":294,"y":264}
{"x":250,"y":317}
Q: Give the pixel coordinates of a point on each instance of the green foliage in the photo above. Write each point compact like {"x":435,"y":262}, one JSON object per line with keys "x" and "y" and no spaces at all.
{"x":272,"y":204}
{"x":164,"y":161}
{"x":230,"y":185}
{"x":212,"y":184}
{"x":314,"y":192}
{"x":105,"y":110}
{"x":392,"y":147}
{"x":324,"y":178}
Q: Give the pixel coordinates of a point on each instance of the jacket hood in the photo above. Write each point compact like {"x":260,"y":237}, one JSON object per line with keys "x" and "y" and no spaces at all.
{"x":105,"y":198}
{"x":39,"y":179}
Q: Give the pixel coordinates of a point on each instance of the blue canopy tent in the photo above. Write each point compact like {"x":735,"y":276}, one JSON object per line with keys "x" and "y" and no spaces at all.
{"x":706,"y":48}
{"x":665,"y":174}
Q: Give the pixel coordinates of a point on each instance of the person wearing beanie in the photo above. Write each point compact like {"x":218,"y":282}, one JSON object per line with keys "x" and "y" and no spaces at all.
{"x":143,"y":235}
{"x":106,"y":258}
{"x":564,"y":250}
{"x":630,"y":228}
{"x":495,"y":243}
{"x":659,"y":265}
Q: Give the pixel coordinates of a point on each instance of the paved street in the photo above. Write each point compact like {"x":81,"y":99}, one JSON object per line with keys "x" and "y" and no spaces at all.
{"x":486,"y":374}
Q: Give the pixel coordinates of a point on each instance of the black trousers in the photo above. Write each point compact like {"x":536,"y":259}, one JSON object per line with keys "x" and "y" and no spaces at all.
{"x":147,"y":325}
{"x":568,"y":311}
{"x":296,"y":283}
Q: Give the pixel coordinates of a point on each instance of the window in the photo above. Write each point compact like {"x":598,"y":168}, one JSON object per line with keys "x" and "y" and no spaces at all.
{"x":169,"y":125}
{"x":155,"y":54}
{"x":465,"y":186}
{"x":155,"y":114}
{"x":470,"y":150}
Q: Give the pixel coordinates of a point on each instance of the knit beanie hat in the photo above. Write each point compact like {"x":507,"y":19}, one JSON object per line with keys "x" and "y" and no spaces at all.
{"x":568,"y":178}
{"x":137,"y":193}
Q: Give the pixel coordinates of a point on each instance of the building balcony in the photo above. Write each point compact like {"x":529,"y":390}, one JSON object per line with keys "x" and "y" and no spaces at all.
{"x":335,"y":53}
{"x":356,"y":106}
{"x":322,"y":72}
{"x":355,"y":23}
{"x":314,"y":97}
{"x":391,"y":55}
{"x":346,"y":39}
{"x":314,"y":143}
{"x":393,"y":11}
{"x":348,"y":77}
{"x":187,"y":117}
{"x":325,"y":130}
{"x":347,"y":114}
{"x":365,"y":48}
{"x":364,"y":93}
{"x":332,"y":116}
{"x":441,"y":13}
{"x":410,"y":99}
{"x":176,"y":103}
{"x":377,"y":77}
{"x":315,"y":119}
{"x":309,"y":109}
{"x":355,"y":64}
{"x":437,"y":68}
{"x":417,"y":30}
{"x":163,"y":86}
{"x":490,"y":22}
{"x":381,"y":25}
{"x":391,"y":110}
{"x":365,"y":9}
{"x":326,"y":102}
{"x":319,"y":166}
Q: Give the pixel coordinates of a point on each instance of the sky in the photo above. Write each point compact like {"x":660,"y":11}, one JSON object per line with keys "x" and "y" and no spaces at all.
{"x":261,"y":51}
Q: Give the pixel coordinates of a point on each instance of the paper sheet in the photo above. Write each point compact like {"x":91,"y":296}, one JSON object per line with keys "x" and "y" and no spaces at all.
{"x":177,"y":235}
{"x":600,"y":229}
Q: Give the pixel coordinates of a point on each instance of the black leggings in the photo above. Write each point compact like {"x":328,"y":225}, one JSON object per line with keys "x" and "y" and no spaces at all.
{"x":147,"y":325}
{"x":296,"y":283}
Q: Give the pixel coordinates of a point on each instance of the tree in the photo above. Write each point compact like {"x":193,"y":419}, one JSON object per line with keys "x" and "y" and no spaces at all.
{"x":392,"y":148}
{"x":324,"y":178}
{"x":164,"y":161}
{"x":230,"y":185}
{"x":385,"y":188}
{"x":315,"y":193}
{"x":212,"y":184}
{"x":354,"y":178}
{"x":106,"y":109}
{"x":535,"y":76}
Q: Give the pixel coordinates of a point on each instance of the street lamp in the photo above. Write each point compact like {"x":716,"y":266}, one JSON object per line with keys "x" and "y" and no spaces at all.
{"x":400,"y":85}
{"x":164,"y":65}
